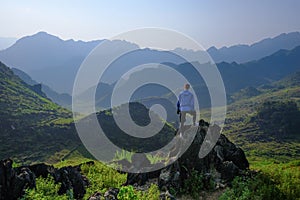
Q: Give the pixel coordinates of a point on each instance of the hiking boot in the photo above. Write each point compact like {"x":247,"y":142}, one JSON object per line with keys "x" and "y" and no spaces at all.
{"x":180,"y":135}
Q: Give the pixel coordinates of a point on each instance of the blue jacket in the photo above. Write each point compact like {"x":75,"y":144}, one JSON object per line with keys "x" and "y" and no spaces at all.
{"x":186,"y":101}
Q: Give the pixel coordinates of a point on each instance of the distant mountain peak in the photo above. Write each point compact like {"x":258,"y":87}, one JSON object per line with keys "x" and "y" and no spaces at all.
{"x":41,"y":35}
{"x":244,"y":53}
{"x":212,"y":48}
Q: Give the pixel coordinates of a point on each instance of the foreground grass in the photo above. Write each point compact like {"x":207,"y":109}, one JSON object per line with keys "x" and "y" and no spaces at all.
{"x":101,"y":178}
{"x":286,"y":176}
{"x":272,"y":181}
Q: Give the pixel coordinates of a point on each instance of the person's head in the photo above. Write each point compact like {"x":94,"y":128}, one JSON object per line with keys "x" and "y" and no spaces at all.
{"x":187,"y":86}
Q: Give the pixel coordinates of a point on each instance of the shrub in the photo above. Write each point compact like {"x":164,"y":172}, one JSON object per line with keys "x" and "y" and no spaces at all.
{"x":193,"y":184}
{"x":46,"y":189}
{"x":101,"y":178}
{"x":152,"y":193}
{"x":127,"y":193}
{"x":259,"y":187}
{"x":286,"y":177}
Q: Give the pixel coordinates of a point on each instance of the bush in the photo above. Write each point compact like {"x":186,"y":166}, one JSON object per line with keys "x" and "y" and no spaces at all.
{"x":101,"y":178}
{"x":129,"y":193}
{"x":286,"y":177}
{"x":259,"y":187}
{"x":46,"y":189}
{"x":152,"y":193}
{"x":193,"y":184}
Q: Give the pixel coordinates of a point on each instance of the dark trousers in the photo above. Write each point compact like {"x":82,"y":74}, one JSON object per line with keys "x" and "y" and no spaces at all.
{"x":182,"y":117}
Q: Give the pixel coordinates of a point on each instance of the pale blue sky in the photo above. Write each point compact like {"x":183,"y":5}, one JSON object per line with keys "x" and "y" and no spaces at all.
{"x":211,"y":22}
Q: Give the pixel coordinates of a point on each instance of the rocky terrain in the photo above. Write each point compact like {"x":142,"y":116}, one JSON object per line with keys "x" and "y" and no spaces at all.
{"x":215,"y":171}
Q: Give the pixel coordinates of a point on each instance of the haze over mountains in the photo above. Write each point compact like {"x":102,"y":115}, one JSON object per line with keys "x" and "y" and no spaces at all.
{"x":6,"y":42}
{"x":54,"y":62}
{"x":48,"y":59}
{"x":62,"y":99}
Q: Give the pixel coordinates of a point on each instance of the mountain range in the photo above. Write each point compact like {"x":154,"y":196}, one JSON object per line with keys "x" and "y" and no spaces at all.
{"x":258,"y":50}
{"x":235,"y":77}
{"x":54,"y":62}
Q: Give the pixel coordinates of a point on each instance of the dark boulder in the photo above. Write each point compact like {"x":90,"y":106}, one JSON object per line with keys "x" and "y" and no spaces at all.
{"x":166,"y":196}
{"x":42,"y":170}
{"x":170,"y":177}
{"x":228,"y":170}
{"x":238,"y":157}
{"x":71,"y":178}
{"x":111,"y":194}
{"x":140,"y":161}
{"x":24,"y":179}
{"x":96,"y":196}
{"x":13,"y":182}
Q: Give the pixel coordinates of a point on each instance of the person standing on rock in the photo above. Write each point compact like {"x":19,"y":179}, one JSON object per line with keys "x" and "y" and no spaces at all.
{"x":185,"y":105}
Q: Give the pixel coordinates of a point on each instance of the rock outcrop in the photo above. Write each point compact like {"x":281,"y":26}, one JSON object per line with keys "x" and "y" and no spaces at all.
{"x":14,"y":181}
{"x":220,"y":165}
{"x":110,"y":194}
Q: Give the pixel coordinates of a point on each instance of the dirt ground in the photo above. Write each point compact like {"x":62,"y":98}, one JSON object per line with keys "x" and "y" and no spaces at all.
{"x":205,"y":195}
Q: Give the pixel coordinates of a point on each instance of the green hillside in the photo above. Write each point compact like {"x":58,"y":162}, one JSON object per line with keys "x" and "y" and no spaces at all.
{"x":32,"y":128}
{"x":265,"y":120}
{"x":46,"y":130}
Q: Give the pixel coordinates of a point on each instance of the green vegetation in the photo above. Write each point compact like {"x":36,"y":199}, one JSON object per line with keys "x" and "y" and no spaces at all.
{"x":123,"y":155}
{"x":264,"y":122}
{"x":129,"y":193}
{"x":279,"y":118}
{"x":273,"y":181}
{"x":22,"y":105}
{"x":101,"y":178}
{"x":46,"y":189}
{"x":27,"y":117}
{"x":286,"y":176}
{"x":266,"y":126}
{"x":193,"y":185}
{"x":245,"y":93}
{"x":260,"y":187}
{"x":140,"y":115}
{"x":128,"y":154}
